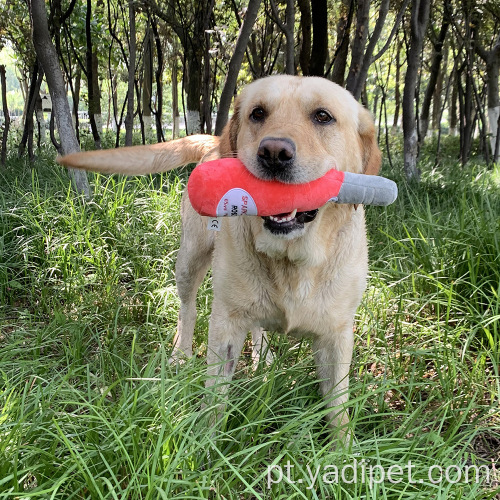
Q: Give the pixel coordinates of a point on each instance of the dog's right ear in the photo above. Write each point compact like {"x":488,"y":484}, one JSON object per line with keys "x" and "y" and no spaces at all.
{"x":228,"y":146}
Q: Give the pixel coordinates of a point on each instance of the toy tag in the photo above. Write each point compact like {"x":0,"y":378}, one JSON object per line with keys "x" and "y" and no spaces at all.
{"x":214,"y":223}
{"x":236,"y":202}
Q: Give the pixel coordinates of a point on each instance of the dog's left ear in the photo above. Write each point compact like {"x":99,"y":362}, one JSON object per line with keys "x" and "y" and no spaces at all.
{"x":372,"y":157}
{"x":228,"y":141}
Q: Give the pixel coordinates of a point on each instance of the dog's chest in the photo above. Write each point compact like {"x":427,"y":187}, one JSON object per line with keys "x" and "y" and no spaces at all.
{"x":298,"y":299}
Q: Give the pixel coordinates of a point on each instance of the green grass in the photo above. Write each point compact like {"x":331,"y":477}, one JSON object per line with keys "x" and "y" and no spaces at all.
{"x":91,"y":408}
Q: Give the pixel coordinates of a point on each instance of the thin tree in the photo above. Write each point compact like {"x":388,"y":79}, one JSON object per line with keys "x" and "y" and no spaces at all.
{"x":397,"y":90}
{"x":492,"y":60}
{"x":419,"y":19}
{"x":159,"y":82}
{"x":362,"y":59}
{"x":147,"y":81}
{"x":287,"y":28}
{"x":319,"y":50}
{"x":6,"y":117}
{"x":47,"y":56}
{"x":92,"y":69}
{"x":306,"y":34}
{"x":434,"y":71}
{"x":129,"y":120}
{"x":339,"y":63}
{"x":192,"y":35}
{"x":235,"y":65}
{"x":358,"y":44}
{"x":34,"y":90}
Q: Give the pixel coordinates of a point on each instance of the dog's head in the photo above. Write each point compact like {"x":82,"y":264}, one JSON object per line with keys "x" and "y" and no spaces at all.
{"x":295,"y":129}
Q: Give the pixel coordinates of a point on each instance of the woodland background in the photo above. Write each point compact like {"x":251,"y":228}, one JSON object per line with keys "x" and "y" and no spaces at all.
{"x":426,"y":66}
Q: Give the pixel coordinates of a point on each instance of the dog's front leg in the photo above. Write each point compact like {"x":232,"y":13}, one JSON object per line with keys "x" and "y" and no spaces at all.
{"x":333,"y":355}
{"x":193,"y":262}
{"x":226,"y":336}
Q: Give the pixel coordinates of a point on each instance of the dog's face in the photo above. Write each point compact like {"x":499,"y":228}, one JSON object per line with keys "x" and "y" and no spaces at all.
{"x":295,"y":129}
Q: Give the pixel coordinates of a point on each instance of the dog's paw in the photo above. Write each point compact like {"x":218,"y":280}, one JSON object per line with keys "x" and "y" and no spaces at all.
{"x":261,"y":352}
{"x":262,"y":356}
{"x":179,"y":357}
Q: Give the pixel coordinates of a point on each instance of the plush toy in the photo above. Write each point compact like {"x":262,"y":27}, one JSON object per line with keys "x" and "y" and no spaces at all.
{"x":226,"y":188}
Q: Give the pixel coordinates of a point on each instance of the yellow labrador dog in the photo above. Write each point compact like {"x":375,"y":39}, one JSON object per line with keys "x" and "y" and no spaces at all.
{"x":301,"y":273}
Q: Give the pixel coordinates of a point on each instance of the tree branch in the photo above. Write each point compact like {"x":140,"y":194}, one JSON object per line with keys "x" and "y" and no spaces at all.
{"x":276,"y":16}
{"x":393,"y":32}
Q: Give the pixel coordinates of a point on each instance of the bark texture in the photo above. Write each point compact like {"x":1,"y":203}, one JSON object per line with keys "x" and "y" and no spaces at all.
{"x":434,"y":73}
{"x":47,"y":56}
{"x":306,"y":34}
{"x":129,"y":120}
{"x":320,"y":37}
{"x":342,"y":46}
{"x":492,"y":60}
{"x":5,"y":109}
{"x":235,"y":65}
{"x":419,"y":20}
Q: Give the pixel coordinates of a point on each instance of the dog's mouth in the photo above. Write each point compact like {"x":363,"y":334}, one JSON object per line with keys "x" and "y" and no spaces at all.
{"x":282,"y":224}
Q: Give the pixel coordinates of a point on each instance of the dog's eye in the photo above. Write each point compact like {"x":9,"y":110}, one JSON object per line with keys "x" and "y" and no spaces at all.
{"x":258,"y":114}
{"x":322,"y":116}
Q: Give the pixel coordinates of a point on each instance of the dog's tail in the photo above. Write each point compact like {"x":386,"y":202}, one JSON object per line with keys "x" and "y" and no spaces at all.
{"x":140,"y":160}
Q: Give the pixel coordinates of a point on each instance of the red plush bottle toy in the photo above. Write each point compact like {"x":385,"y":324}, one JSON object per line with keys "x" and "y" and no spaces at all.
{"x":226,"y":188}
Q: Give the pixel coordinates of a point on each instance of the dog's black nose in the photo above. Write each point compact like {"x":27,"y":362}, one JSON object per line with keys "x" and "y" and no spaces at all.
{"x":276,"y":154}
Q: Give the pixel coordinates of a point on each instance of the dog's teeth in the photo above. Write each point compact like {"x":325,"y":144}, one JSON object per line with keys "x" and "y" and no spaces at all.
{"x":287,"y":218}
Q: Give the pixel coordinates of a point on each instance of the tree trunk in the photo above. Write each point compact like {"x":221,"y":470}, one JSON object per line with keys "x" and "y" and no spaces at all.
{"x":320,"y":37}
{"x":492,"y":60}
{"x":360,"y":79}
{"x":343,"y":39}
{"x":5,"y":109}
{"x":147,"y":85}
{"x":175,"y":100}
{"x":95,"y":84}
{"x":305,"y":32}
{"x":437,"y":99}
{"x":493,"y":104}
{"x":192,"y":80}
{"x":129,"y":120}
{"x":397,"y":85}
{"x":453,"y":103}
{"x":27,"y":138}
{"x":40,"y":120}
{"x":47,"y":56}
{"x":235,"y":65}
{"x":206,"y":118}
{"x":290,"y":37}
{"x":434,"y":72}
{"x":358,"y":45}
{"x":419,"y":19}
{"x":159,"y":82}
{"x":114,"y":99}
{"x":466,"y":101}
{"x":76,"y":98}
{"x":192,"y":37}
{"x":288,"y":30}
{"x":92,"y":79}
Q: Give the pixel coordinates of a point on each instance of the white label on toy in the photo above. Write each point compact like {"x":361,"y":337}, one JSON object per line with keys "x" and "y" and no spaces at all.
{"x":236,"y":202}
{"x":214,"y":224}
